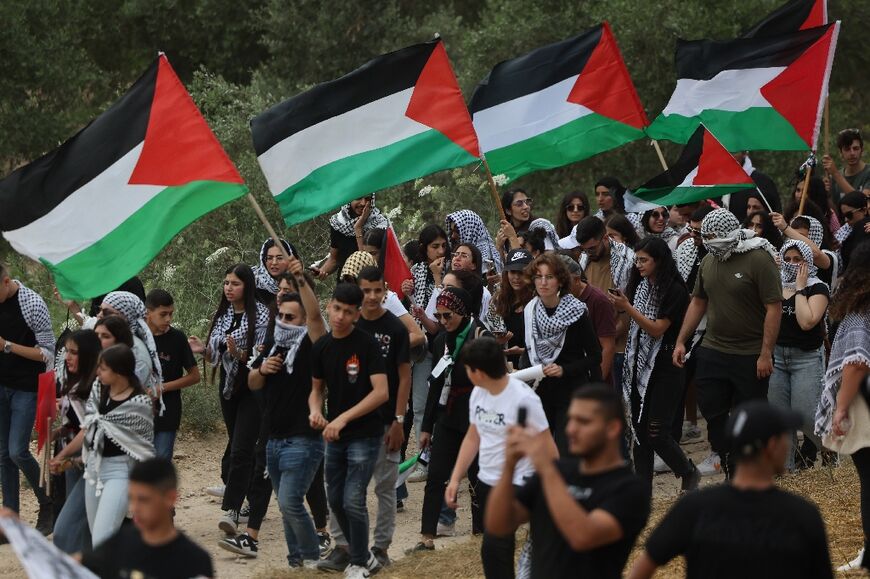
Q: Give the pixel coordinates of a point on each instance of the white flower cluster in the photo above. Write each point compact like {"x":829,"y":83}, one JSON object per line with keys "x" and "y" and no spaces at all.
{"x":426,"y":190}
{"x":394,"y":212}
{"x":500,"y":179}
{"x":219,"y":253}
{"x":169,"y":273}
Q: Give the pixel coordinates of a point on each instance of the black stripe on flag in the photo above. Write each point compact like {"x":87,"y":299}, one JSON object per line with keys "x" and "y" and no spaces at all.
{"x":784,"y":20}
{"x":32,"y":191}
{"x":535,"y":71}
{"x":704,"y":59}
{"x":689,"y":159}
{"x":378,"y":78}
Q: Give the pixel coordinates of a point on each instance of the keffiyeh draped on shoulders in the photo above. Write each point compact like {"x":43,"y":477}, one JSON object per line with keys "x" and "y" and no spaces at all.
{"x":851,"y":346}
{"x":345,"y":219}
{"x":36,"y":316}
{"x":264,"y":279}
{"x":642,"y":349}
{"x":217,"y":341}
{"x":545,"y":333}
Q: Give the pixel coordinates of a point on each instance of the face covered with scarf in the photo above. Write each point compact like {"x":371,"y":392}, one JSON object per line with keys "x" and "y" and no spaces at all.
{"x":793,"y":254}
{"x":723,"y":237}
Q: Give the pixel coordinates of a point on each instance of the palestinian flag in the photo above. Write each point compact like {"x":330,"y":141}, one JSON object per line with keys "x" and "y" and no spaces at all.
{"x":753,"y":93}
{"x":99,"y":208}
{"x":791,"y":17}
{"x":558,"y":104}
{"x":398,"y":117}
{"x":704,"y":170}
{"x":393,"y":263}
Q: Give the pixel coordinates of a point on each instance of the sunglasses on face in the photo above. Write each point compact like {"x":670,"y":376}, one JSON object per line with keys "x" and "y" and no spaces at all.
{"x":445,"y":317}
{"x":576,"y":208}
{"x":286,"y":317}
{"x":522,"y":202}
{"x":659,"y":214}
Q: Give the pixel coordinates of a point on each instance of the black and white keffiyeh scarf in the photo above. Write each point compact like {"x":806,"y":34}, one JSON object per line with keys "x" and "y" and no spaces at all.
{"x":131,"y":307}
{"x":288,"y":338}
{"x":545,"y":334}
{"x":217,"y":341}
{"x":851,"y":346}
{"x":264,"y":279}
{"x":130,"y":426}
{"x":36,"y":316}
{"x":621,"y":262}
{"x":788,"y":271}
{"x":424,"y":283}
{"x":551,"y":238}
{"x":641,"y":349}
{"x":345,"y":219}
{"x":686,"y":257}
{"x":727,"y":237}
{"x":816,"y":233}
{"x":842,"y":233}
{"x":472,"y":230}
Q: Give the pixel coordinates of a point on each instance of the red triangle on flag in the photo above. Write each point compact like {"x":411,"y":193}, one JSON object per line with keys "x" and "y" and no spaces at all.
{"x":806,"y":77}
{"x":818,"y":15}
{"x":716,"y":166}
{"x":604,"y":86}
{"x":179,"y":145}
{"x":437,"y":102}
{"x":46,"y":408}
{"x":395,"y":267}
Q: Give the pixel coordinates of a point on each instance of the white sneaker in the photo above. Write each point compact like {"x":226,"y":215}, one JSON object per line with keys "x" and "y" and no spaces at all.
{"x":446,"y":530}
{"x":711,"y":465}
{"x":419,"y":475}
{"x":659,"y":466}
{"x":356,"y":572}
{"x":690,"y":432}
{"x":217,"y":491}
{"x":854,"y":563}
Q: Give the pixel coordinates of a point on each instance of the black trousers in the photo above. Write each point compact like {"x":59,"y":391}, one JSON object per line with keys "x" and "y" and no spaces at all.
{"x":861,"y":459}
{"x":496,"y":553}
{"x":259,"y":488}
{"x":724,"y":381}
{"x":316,"y":497}
{"x":445,"y":449}
{"x":243,"y":419}
{"x":556,"y":412}
{"x":663,"y":397}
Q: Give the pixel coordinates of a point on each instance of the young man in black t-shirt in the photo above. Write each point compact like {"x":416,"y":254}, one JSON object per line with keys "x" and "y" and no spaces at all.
{"x":585,"y":511}
{"x":349,"y":365}
{"x":746,"y":528}
{"x":153,"y":548}
{"x":178,"y":365}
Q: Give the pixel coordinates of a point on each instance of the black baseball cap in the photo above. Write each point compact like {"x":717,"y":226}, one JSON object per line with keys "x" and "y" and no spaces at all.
{"x":517,"y":260}
{"x":752,"y":424}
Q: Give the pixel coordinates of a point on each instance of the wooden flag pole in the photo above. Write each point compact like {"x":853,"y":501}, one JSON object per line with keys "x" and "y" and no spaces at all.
{"x":493,"y":190}
{"x":658,"y":149}
{"x":259,"y":211}
{"x":806,"y":187}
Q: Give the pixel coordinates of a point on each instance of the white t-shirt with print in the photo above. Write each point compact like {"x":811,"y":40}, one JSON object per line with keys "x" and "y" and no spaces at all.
{"x":492,"y":416}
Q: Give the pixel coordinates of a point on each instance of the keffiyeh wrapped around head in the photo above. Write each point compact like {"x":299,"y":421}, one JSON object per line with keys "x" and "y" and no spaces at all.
{"x":723,"y":236}
{"x":345,"y":219}
{"x":133,"y":310}
{"x":816,"y":233}
{"x":551,"y":239}
{"x":455,"y":299}
{"x":264,"y":279}
{"x":355,"y":263}
{"x":472,"y":230}
{"x":788,"y":271}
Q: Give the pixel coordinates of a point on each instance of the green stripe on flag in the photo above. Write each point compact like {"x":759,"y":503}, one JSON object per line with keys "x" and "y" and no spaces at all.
{"x":131,"y":246}
{"x":680,"y":195}
{"x":342,"y":181}
{"x":757,"y":128}
{"x":580,"y":139}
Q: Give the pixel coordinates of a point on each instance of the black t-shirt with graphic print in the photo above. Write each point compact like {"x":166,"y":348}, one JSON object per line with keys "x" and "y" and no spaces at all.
{"x":393,"y":338}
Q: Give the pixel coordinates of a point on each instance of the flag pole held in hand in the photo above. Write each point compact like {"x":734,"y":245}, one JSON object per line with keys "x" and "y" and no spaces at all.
{"x":808,"y":169}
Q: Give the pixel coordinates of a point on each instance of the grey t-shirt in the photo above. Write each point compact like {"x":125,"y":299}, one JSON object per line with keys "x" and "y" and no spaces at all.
{"x":860,"y":180}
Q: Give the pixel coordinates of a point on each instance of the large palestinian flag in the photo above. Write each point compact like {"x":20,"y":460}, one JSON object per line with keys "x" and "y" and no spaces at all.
{"x":752,"y":93}
{"x":704,"y":170}
{"x":558,"y":104}
{"x":396,"y":118}
{"x":99,"y":208}
{"x":791,"y":17}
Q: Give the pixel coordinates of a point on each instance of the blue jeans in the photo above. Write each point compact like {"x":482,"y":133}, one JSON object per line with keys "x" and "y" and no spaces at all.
{"x":292,"y":464}
{"x":71,"y":533}
{"x":420,"y":390}
{"x":349,"y":468}
{"x":106,"y":512}
{"x":796,"y":384}
{"x":164,"y":443}
{"x":17,"y":413}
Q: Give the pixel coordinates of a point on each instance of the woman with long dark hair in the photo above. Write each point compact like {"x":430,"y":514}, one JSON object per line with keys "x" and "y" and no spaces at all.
{"x":656,"y":300}
{"x":842,"y":418}
{"x":762,"y":224}
{"x":272,"y":266}
{"x":517,"y":206}
{"x":573,"y":207}
{"x":655,"y":223}
{"x":514,"y":293}
{"x":609,"y":193}
{"x":118,"y":429}
{"x":238,"y":327}
{"x":559,"y":336}
{"x":75,"y":376}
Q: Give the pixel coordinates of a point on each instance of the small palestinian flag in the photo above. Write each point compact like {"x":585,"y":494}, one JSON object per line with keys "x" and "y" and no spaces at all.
{"x":398,"y":117}
{"x":753,"y":93}
{"x":558,"y":104}
{"x":393,"y":263}
{"x":791,"y":17}
{"x":704,"y":170}
{"x":99,"y":208}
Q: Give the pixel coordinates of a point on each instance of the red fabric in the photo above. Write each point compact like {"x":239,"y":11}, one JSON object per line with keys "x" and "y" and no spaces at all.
{"x":717,"y":166}
{"x":395,"y":268}
{"x":46,"y":407}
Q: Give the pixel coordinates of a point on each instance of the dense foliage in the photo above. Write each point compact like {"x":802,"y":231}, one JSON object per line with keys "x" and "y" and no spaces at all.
{"x":64,"y":62}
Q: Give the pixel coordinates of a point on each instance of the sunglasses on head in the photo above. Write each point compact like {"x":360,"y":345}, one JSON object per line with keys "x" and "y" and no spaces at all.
{"x":285,"y":317}
{"x":576,"y":207}
{"x":445,"y":317}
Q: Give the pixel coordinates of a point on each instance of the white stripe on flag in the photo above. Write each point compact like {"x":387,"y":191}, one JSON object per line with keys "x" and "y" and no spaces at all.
{"x":730,"y":90}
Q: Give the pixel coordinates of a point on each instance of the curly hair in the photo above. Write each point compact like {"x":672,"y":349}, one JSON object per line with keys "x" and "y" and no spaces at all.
{"x":556,"y":265}
{"x":853,"y":293}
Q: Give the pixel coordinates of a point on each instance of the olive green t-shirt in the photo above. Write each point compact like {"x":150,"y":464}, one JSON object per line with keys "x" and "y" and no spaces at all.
{"x":736,"y":291}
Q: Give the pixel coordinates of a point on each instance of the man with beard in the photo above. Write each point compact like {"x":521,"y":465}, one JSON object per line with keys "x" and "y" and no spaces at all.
{"x":586,"y":510}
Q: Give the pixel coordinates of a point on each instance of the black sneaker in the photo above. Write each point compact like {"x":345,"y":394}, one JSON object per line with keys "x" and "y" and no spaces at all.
{"x":325,"y":543}
{"x":421,"y":546}
{"x":400,"y":506}
{"x":242,"y":545}
{"x":45,"y":519}
{"x":373,"y":565}
{"x":381,"y":556}
{"x":338,"y":560}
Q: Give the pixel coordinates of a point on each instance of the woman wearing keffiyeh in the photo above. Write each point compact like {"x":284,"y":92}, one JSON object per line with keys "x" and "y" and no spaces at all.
{"x":561,"y":339}
{"x":466,"y":226}
{"x":272,"y":266}
{"x":842,"y":418}
{"x":346,"y":231}
{"x":652,"y":387}
{"x":238,"y":327}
